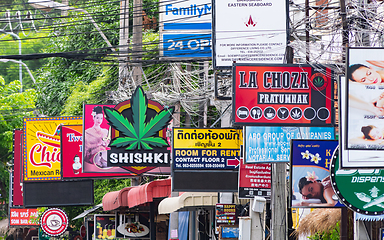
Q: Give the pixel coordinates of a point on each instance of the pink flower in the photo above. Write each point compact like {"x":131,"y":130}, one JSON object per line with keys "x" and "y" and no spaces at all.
{"x":311,"y":176}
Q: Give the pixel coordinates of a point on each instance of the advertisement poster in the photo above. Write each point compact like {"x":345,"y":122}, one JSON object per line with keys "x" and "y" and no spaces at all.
{"x":17,"y":189}
{"x":288,"y":95}
{"x":72,"y":158}
{"x":41,"y":150}
{"x":214,"y":149}
{"x":361,"y":190}
{"x":225,"y":214}
{"x":273,"y":144}
{"x":249,"y":31}
{"x":104,"y":226}
{"x":365,"y":102}
{"x":22,"y":217}
{"x":310,"y":177}
{"x":356,"y":157}
{"x":133,"y":225}
{"x":254,"y":180}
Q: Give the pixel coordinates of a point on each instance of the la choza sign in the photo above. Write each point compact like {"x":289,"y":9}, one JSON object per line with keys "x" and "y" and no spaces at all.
{"x":138,"y":132}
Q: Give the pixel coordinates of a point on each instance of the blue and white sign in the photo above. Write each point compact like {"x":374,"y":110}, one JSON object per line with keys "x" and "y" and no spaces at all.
{"x":272,"y":144}
{"x":187,"y":45}
{"x":186,"y":15}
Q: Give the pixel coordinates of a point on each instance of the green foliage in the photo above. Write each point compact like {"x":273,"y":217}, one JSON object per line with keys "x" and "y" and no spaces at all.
{"x":333,"y":234}
{"x":138,"y":134}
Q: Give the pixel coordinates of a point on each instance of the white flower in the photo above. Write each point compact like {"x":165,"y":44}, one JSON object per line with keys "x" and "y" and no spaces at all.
{"x":306,"y":154}
{"x":315,"y":158}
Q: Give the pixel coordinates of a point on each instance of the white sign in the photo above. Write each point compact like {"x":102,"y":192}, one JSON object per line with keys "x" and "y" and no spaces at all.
{"x":252,"y":31}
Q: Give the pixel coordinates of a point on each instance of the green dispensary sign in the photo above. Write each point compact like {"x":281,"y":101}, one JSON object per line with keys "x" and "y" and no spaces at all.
{"x":361,"y":190}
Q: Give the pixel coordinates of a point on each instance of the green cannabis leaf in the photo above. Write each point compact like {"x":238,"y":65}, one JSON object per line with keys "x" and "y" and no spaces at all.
{"x":138,"y":134}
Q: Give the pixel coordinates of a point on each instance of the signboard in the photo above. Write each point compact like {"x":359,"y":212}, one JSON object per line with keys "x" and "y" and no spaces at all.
{"x":104,"y":226}
{"x":17,"y":189}
{"x":282,"y":95}
{"x":225,"y":214}
{"x":22,"y":216}
{"x":254,"y":180}
{"x":54,"y":222}
{"x":206,"y":148}
{"x":249,"y":31}
{"x":41,"y":149}
{"x":310,"y":177}
{"x":361,"y":107}
{"x":187,"y":45}
{"x":90,"y":228}
{"x":272,"y":144}
{"x":72,"y":157}
{"x":138,"y":132}
{"x":358,"y":189}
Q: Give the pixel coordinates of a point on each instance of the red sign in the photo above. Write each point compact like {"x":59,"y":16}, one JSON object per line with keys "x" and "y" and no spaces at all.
{"x":17,"y":190}
{"x":254,"y":180}
{"x":83,"y":231}
{"x":72,"y":157}
{"x":54,"y":222}
{"x":282,"y":95}
{"x":22,"y":216}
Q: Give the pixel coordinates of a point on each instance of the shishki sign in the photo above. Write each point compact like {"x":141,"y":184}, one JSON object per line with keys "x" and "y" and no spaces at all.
{"x":138,"y":132}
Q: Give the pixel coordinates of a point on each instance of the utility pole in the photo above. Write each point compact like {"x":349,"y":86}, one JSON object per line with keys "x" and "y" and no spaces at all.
{"x":137,"y":45}
{"x":124,"y":41}
{"x":278,"y":202}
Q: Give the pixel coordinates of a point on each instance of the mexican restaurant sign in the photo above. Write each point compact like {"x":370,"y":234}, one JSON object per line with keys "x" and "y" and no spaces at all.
{"x":206,"y":148}
{"x":138,"y":132}
{"x":282,"y":94}
{"x":41,"y":149}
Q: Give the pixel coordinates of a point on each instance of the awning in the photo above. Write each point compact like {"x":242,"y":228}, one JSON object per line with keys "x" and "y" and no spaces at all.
{"x":86,"y":212}
{"x":147,"y":192}
{"x":188,"y":201}
{"x":362,"y":217}
{"x":116,"y":199}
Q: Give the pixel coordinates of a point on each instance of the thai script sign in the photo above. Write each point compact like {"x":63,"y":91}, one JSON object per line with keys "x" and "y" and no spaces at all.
{"x":195,"y":148}
{"x":254,"y":180}
{"x":42,"y":147}
{"x":272,"y":144}
{"x":282,"y":95}
{"x":22,"y":216}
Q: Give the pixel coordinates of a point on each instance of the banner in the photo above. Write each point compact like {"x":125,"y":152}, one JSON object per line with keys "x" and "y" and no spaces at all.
{"x":72,"y":157}
{"x":41,"y":150}
{"x":310,"y":178}
{"x":21,"y":217}
{"x":254,"y":180}
{"x":283,"y":95}
{"x":206,"y":148}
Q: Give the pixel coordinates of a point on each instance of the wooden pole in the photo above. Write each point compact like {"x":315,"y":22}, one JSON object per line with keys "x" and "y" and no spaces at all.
{"x":278,"y":202}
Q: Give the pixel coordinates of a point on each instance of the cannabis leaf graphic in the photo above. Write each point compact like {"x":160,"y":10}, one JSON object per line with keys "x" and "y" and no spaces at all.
{"x":138,"y":134}
{"x":318,"y":81}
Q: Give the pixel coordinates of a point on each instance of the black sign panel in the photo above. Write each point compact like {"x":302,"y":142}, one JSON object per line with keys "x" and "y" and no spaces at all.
{"x":205,"y":181}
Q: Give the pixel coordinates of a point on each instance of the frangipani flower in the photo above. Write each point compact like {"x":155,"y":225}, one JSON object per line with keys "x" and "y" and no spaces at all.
{"x":311,"y":176}
{"x":306,"y":154}
{"x":315,"y":158}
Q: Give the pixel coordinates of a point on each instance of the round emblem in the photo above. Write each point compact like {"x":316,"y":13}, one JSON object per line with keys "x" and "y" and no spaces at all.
{"x":319,"y":81}
{"x":54,"y":222}
{"x":358,"y":189}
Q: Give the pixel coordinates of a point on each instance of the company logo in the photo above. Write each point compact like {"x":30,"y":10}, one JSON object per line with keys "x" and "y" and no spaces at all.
{"x":192,"y":10}
{"x":250,"y":22}
{"x":54,"y":222}
{"x":319,"y":81}
{"x":137,"y":140}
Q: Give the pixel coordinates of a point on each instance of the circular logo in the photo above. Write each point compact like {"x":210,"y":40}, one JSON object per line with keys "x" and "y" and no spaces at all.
{"x":309,"y":113}
{"x":358,"y":189}
{"x":283,"y":113}
{"x":269,"y":113}
{"x":242,"y":112}
{"x":323,"y":113}
{"x":296,"y":113}
{"x":319,"y":81}
{"x":256,"y":113}
{"x":54,"y":222}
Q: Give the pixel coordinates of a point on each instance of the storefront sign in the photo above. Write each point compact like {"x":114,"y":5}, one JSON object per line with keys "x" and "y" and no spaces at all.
{"x":272,"y":144}
{"x":282,"y":95}
{"x":359,"y":189}
{"x":105,"y":226}
{"x":195,"y":148}
{"x":187,"y":45}
{"x":225,"y":214}
{"x":72,"y":157}
{"x":310,"y":177}
{"x":54,"y":222}
{"x":138,"y":132}
{"x":17,"y":189}
{"x":41,"y":150}
{"x":254,"y":180}
{"x":22,"y":216}
{"x":249,"y":32}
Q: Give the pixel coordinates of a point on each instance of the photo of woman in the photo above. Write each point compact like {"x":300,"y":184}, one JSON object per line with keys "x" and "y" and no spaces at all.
{"x":96,"y":140}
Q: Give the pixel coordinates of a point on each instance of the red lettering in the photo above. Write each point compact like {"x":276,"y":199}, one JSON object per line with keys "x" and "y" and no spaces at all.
{"x":46,"y":157}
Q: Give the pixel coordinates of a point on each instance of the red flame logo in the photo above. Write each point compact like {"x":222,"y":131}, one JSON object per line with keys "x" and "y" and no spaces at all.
{"x":250,"y":22}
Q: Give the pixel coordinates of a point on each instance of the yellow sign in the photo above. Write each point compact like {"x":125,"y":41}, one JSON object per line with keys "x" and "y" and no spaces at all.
{"x":41,"y":150}
{"x":225,"y":138}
